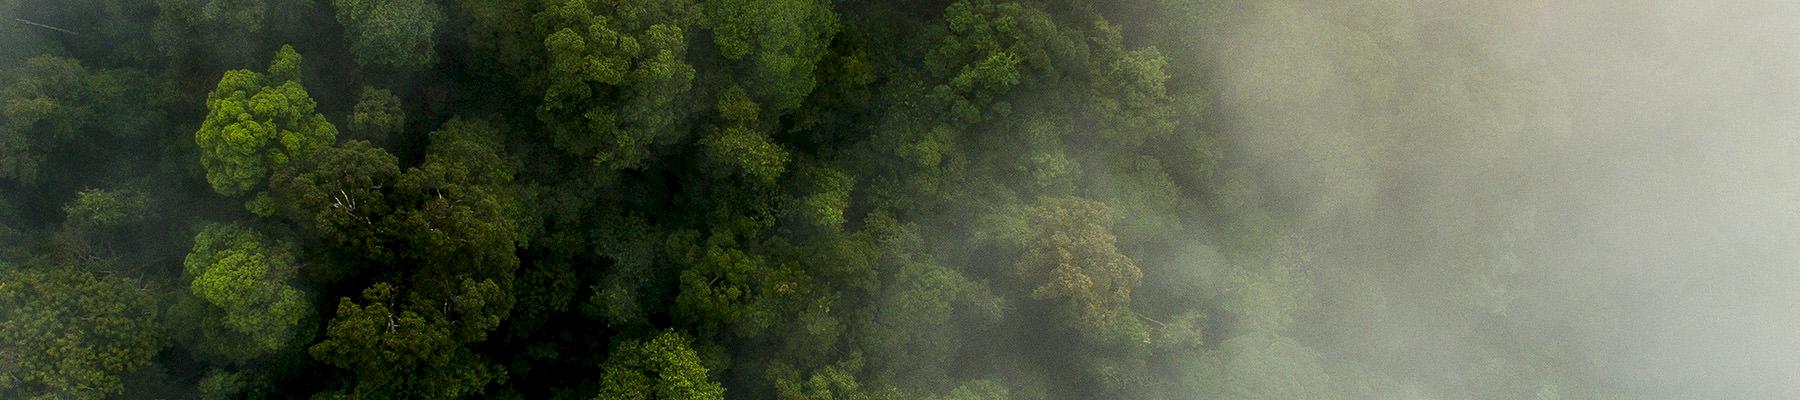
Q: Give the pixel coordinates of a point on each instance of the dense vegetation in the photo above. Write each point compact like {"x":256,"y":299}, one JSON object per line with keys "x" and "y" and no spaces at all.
{"x":782,"y":199}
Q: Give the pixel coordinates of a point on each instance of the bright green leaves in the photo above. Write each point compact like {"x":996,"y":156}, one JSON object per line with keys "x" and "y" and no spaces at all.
{"x":831,"y":382}
{"x":782,"y":42}
{"x":977,"y":390}
{"x":662,"y":368}
{"x":246,"y":279}
{"x":1127,"y":101}
{"x":257,"y":123}
{"x":67,"y":334}
{"x":612,"y":82}
{"x":989,"y":49}
{"x":740,"y":146}
{"x":285,"y":67}
{"x":825,"y":196}
{"x":400,"y":34}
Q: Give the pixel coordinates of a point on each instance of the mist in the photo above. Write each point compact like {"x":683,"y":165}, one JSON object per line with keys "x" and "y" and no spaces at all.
{"x":1633,"y":163}
{"x":938,"y":199}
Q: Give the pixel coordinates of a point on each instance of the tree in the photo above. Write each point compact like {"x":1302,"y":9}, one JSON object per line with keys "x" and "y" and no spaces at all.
{"x":1071,"y":258}
{"x":831,"y":382}
{"x":976,"y":390}
{"x":107,"y":208}
{"x":38,"y":98}
{"x":225,"y":32}
{"x":740,"y":147}
{"x":340,"y":195}
{"x":245,"y":277}
{"x":52,"y":103}
{"x":257,"y":123}
{"x":781,"y":41}
{"x":458,"y":211}
{"x":377,"y":115}
{"x":662,"y":368}
{"x":454,"y":220}
{"x":725,"y":289}
{"x":614,"y":76}
{"x":400,"y":348}
{"x":399,"y":34}
{"x":67,"y":334}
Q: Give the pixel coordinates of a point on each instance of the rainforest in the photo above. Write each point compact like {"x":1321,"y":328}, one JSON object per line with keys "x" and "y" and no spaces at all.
{"x":886,"y":200}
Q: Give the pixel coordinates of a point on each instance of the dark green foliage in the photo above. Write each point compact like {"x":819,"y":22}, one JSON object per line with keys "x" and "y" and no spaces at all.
{"x":377,"y":116}
{"x":51,"y":104}
{"x":340,"y":195}
{"x":399,"y":34}
{"x":780,"y":42}
{"x":613,"y":76}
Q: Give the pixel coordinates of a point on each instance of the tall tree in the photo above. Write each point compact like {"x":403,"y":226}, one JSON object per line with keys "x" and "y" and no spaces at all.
{"x":257,"y":123}
{"x":340,"y":196}
{"x":455,"y":221}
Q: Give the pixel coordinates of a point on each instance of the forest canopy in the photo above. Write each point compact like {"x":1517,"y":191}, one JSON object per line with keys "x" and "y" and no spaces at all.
{"x":787,"y":199}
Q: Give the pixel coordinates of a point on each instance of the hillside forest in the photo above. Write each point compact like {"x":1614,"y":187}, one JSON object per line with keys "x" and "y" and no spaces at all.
{"x":795,"y":199}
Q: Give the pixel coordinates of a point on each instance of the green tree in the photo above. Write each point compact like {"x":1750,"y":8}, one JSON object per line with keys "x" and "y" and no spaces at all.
{"x":257,"y":123}
{"x":614,"y":76}
{"x":67,"y":334}
{"x":402,"y":348}
{"x":662,"y":368}
{"x":226,"y":33}
{"x":399,"y":34}
{"x":725,"y":289}
{"x":976,"y":390}
{"x":53,"y":104}
{"x":38,"y":96}
{"x":106,"y":209}
{"x":377,"y":116}
{"x":781,"y":43}
{"x":458,"y":210}
{"x":454,"y":220}
{"x":1071,"y":258}
{"x":246,"y":278}
{"x":740,"y":147}
{"x":340,"y":195}
{"x":831,"y":382}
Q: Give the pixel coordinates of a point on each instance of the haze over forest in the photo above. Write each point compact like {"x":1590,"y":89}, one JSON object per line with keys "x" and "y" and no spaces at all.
{"x":923,"y":199}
